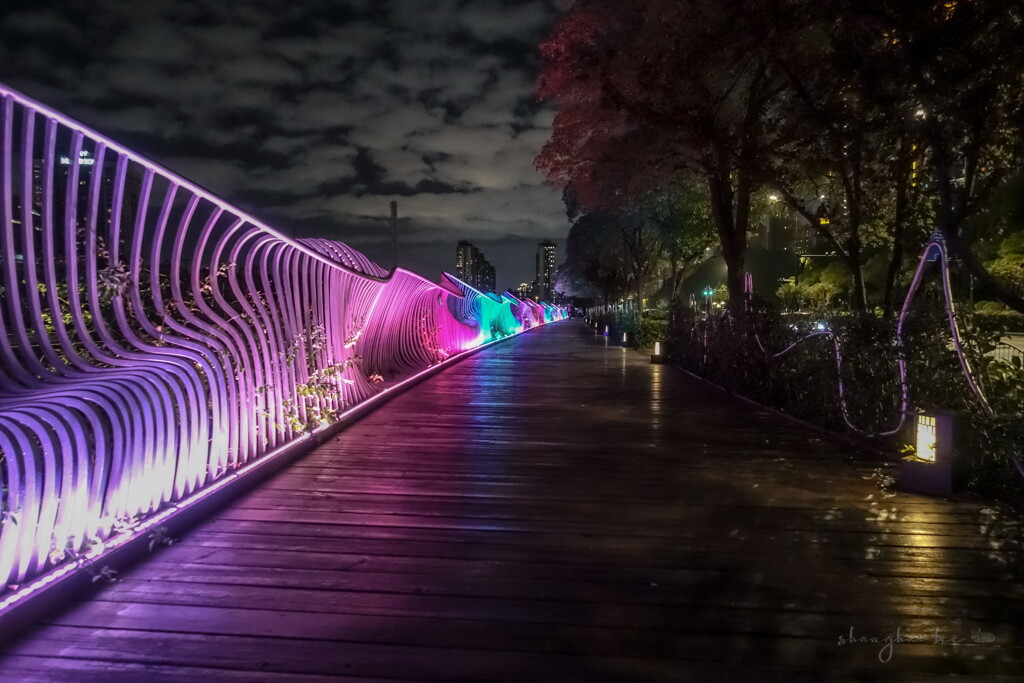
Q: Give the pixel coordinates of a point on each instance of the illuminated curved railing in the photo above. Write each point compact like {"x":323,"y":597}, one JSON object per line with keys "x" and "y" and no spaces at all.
{"x":531,"y":313}
{"x":154,"y":338}
{"x":477,"y":305}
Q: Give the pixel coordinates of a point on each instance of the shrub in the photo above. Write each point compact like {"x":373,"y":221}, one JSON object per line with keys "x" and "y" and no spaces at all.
{"x":736,"y":350}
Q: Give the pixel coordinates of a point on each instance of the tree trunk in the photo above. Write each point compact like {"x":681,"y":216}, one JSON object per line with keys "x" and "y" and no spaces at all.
{"x":859,"y":296}
{"x":735,"y":255}
{"x":899,"y":229}
{"x":949,"y":220}
{"x":733,"y":240}
{"x":854,"y":248}
{"x":977,"y":268}
{"x":895,"y":263}
{"x":674,"y":291}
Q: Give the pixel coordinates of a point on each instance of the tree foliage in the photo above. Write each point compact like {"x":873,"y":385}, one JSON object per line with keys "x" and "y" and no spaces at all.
{"x":635,"y":249}
{"x":649,"y":92}
{"x":876,"y":122}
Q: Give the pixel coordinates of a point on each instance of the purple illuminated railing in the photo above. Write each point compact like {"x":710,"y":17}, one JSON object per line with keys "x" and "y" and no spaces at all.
{"x":154,"y":338}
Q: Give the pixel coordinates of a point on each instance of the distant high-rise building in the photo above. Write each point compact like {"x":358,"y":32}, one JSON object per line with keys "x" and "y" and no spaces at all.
{"x":545,"y":270}
{"x":487,"y":278}
{"x":60,"y":174}
{"x":807,"y":239}
{"x":472,"y":268}
{"x":466,"y":256}
{"x":803,"y":237}
{"x":775,"y":233}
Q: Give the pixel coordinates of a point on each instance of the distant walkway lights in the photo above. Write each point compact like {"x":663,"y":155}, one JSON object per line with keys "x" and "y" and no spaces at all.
{"x":658,"y":357}
{"x":929,"y":469}
{"x":625,"y":340}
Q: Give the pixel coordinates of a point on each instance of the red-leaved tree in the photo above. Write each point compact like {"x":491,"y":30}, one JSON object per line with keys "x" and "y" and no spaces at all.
{"x":651,"y":91}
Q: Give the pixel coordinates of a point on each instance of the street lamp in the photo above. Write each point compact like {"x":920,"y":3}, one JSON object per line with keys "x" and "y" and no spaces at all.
{"x":658,"y":357}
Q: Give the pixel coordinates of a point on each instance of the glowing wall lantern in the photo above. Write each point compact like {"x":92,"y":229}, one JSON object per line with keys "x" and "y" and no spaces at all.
{"x":930,"y":469}
{"x":659,"y":353}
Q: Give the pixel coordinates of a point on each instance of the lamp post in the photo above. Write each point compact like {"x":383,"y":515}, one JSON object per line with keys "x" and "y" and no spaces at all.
{"x":658,"y":357}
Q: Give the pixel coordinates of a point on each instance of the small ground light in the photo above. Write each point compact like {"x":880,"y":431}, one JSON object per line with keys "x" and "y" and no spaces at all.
{"x":659,"y":353}
{"x":929,"y":469}
{"x":606,"y":330}
{"x":925,"y":441}
{"x":625,"y":338}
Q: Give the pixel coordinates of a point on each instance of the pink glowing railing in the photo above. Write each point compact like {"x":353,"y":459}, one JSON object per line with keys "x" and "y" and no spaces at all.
{"x":154,"y":338}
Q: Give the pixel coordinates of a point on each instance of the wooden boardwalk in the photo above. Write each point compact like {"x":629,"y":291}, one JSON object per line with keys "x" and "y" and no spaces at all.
{"x":552,"y":509}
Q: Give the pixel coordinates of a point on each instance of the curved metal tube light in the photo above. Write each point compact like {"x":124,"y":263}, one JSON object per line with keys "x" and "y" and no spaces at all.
{"x":155,"y":339}
{"x":937,"y":247}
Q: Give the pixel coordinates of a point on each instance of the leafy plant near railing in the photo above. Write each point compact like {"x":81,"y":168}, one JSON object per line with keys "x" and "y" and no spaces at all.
{"x":429,"y":334}
{"x":6,"y":515}
{"x":319,"y":400}
{"x":497,"y":330}
{"x":112,"y":281}
{"x":82,"y":554}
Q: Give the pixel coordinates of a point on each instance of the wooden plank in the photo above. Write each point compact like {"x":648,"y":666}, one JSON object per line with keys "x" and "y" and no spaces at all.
{"x":588,"y":641}
{"x":359,"y":659}
{"x":836,"y":590}
{"x":652,"y":568}
{"x":663,"y":518}
{"x":565,"y":607}
{"x":49,"y":669}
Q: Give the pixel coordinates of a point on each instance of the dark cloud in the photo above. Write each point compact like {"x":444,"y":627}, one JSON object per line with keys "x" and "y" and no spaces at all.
{"x":317,"y":114}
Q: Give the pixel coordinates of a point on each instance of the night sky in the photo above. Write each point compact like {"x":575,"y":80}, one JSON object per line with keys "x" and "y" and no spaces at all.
{"x":314,"y":115}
